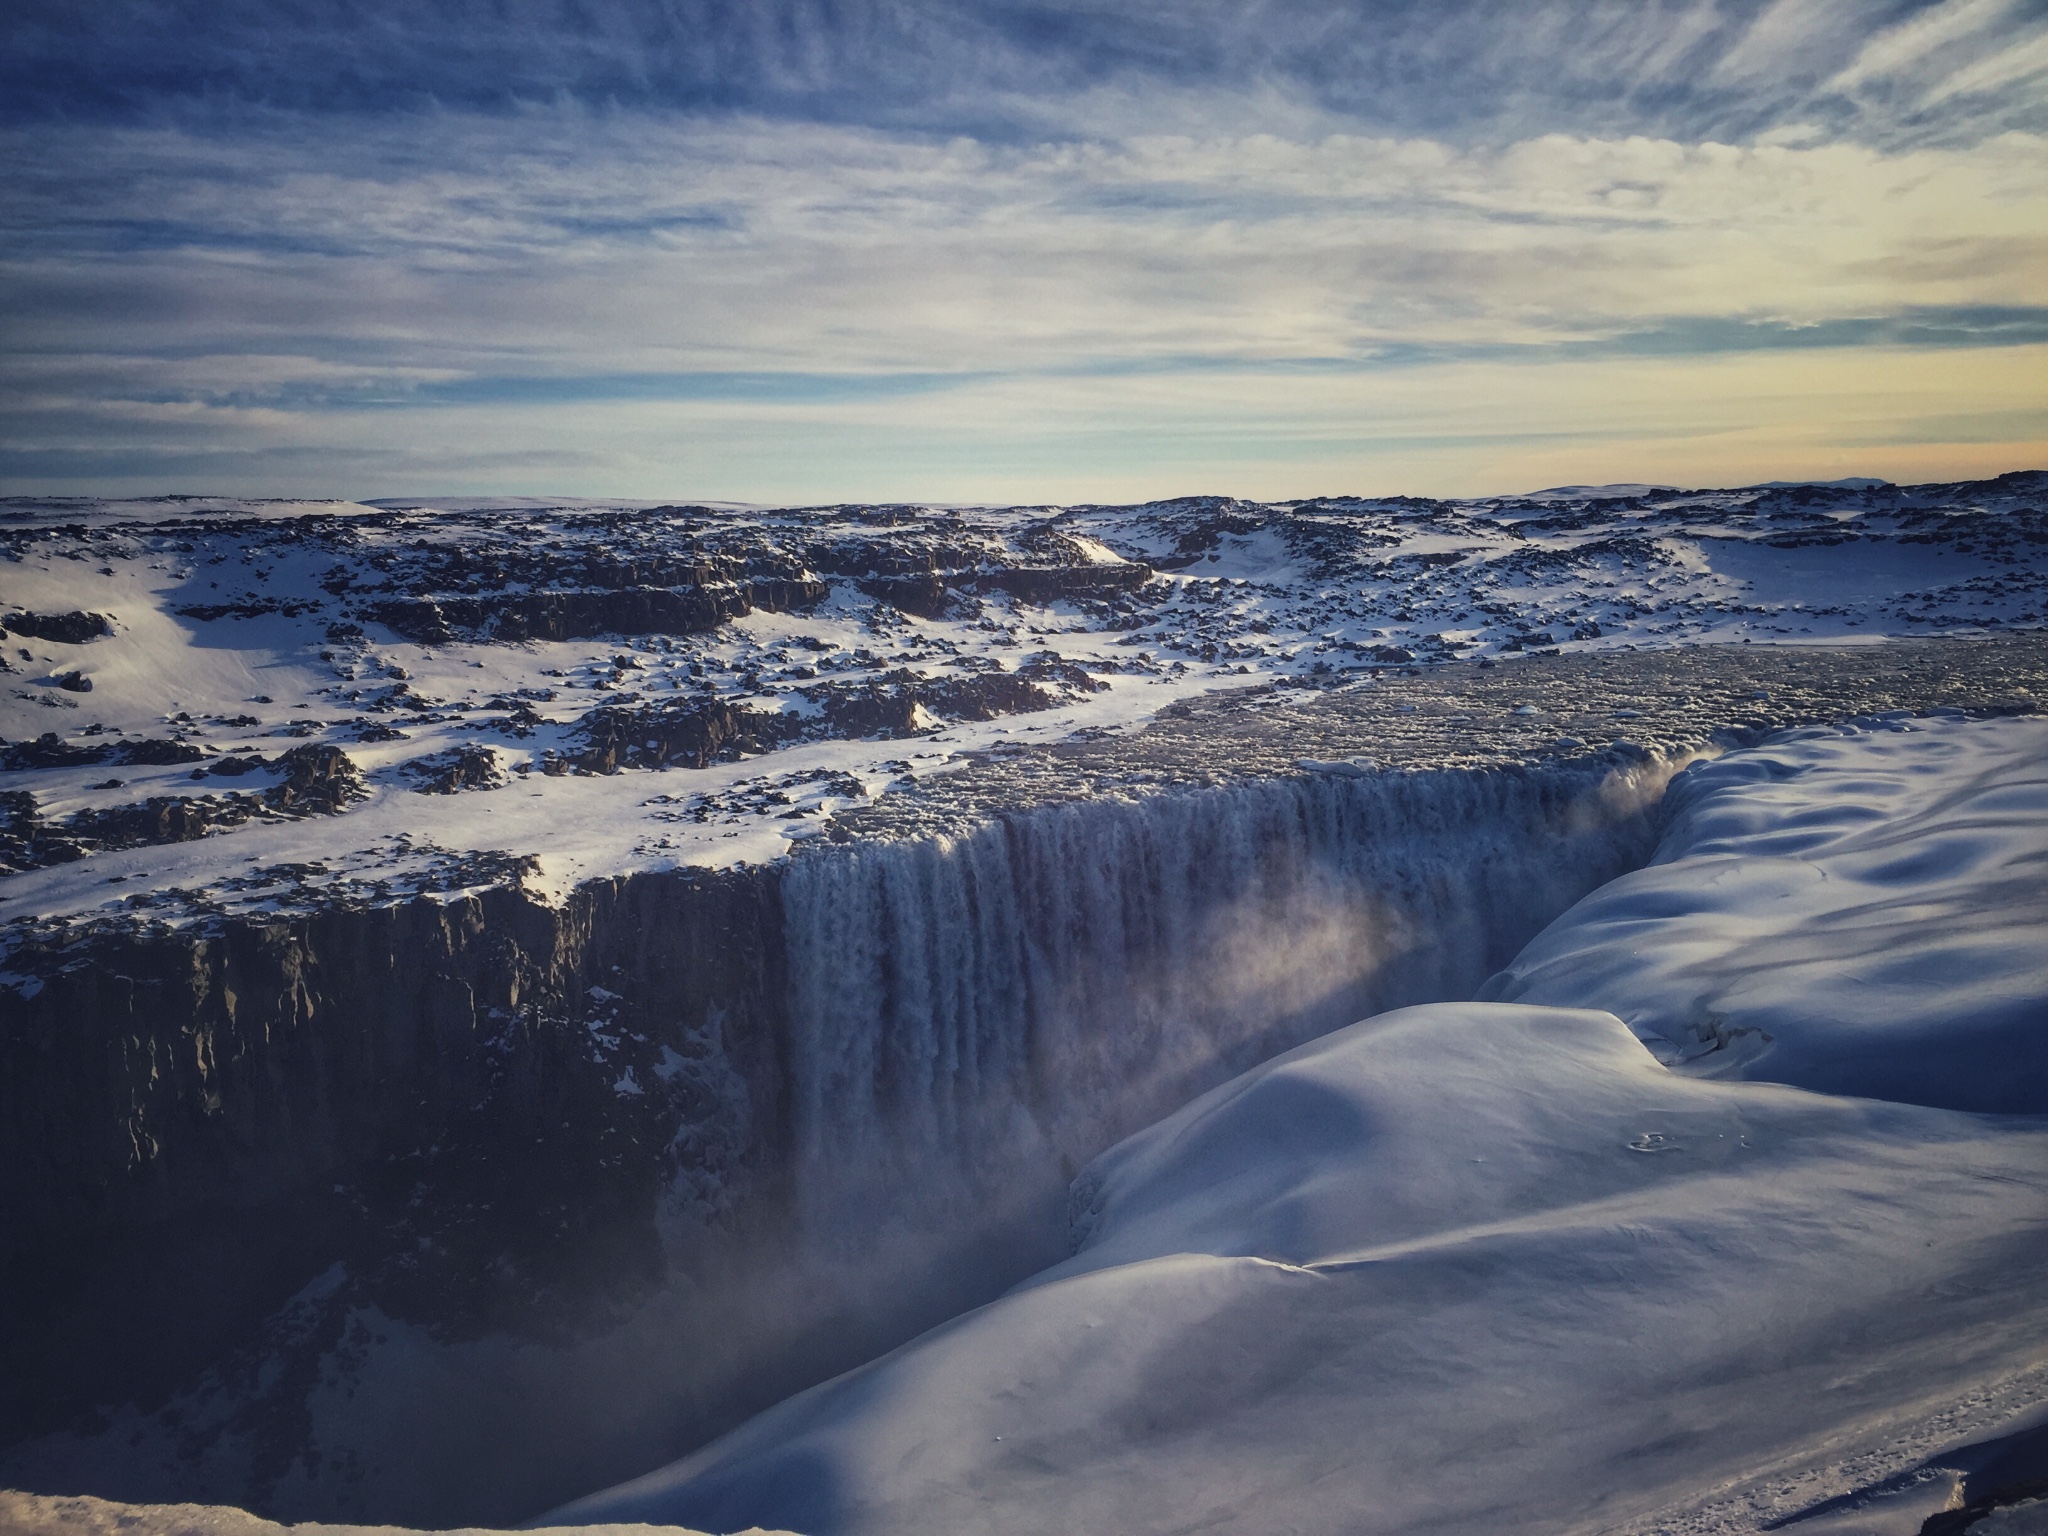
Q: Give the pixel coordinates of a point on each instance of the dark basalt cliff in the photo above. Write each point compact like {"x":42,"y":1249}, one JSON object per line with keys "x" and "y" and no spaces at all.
{"x":191,"y":1126}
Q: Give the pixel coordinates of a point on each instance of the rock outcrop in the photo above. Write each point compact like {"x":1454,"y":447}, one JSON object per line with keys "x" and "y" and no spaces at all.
{"x":61,"y":628}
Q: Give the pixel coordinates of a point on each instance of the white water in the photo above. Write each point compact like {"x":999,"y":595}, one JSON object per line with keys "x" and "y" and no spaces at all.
{"x":972,"y":1020}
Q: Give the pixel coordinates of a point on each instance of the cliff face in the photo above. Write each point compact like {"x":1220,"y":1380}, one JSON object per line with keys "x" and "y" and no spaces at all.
{"x":463,"y":1099}
{"x":613,"y":1172}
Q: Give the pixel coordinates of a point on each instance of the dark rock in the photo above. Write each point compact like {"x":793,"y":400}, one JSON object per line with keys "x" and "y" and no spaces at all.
{"x":415,"y":618}
{"x":1049,"y":585}
{"x":988,"y":697}
{"x":1057,"y":671}
{"x":50,"y":750}
{"x":248,"y":608}
{"x":923,"y":595}
{"x":156,"y":752}
{"x":159,"y":819}
{"x":375,"y":730}
{"x":889,"y":706}
{"x":564,"y":615}
{"x":74,"y":682}
{"x":62,"y":628}
{"x":1392,"y":654}
{"x":898,"y":704}
{"x":886,"y":709}
{"x":235,"y":767}
{"x":465,"y":767}
{"x":195,"y":1124}
{"x":786,"y":594}
{"x":674,"y":736}
{"x":318,"y":779}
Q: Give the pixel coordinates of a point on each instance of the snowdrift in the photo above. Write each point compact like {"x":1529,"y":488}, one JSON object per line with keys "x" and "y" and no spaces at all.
{"x":1852,"y":911}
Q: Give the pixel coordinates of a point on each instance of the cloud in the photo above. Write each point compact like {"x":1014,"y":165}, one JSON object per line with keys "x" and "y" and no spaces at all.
{"x":1013,"y":70}
{"x":568,"y":243}
{"x":1907,"y":45}
{"x":2008,"y":65}
{"x":1442,"y":428}
{"x":240,"y":223}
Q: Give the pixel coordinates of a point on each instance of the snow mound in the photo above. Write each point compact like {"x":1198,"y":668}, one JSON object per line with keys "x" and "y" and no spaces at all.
{"x":1473,"y":1267}
{"x":1855,"y":911}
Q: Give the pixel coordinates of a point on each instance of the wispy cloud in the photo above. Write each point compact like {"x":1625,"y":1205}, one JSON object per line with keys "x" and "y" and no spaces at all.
{"x":579,"y":243}
{"x":1459,"y":70}
{"x":1911,"y":43}
{"x":240,"y":225}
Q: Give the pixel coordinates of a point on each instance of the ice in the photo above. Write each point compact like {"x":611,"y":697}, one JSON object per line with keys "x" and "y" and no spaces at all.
{"x":1491,"y":1266}
{"x":1414,"y":1261}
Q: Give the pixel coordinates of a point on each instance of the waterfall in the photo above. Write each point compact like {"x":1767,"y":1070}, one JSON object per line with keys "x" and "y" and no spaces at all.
{"x":974,"y":1018}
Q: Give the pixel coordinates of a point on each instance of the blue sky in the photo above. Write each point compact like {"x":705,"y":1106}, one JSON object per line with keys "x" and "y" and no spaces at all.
{"x":1018,"y":252}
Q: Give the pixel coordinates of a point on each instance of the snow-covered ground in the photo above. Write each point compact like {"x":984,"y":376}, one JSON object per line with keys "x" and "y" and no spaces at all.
{"x":1855,"y":912}
{"x":27,"y":1514}
{"x":1496,"y":1266}
{"x":757,"y":672}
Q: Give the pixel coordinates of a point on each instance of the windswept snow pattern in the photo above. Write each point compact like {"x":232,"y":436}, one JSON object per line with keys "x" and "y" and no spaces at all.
{"x":1852,"y":911}
{"x":580,"y":689}
{"x":1493,"y":1266}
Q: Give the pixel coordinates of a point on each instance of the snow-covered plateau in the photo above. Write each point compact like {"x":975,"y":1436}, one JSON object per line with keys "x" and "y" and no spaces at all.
{"x":296,"y":693}
{"x":495,"y":997}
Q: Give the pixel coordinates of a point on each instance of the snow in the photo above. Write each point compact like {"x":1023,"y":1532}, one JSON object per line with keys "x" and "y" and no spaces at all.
{"x":27,"y":1514}
{"x":1490,"y":1266}
{"x":226,"y":614}
{"x":1855,"y":911}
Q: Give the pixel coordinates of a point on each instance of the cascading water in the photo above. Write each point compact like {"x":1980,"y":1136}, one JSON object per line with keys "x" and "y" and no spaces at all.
{"x":974,"y":1018}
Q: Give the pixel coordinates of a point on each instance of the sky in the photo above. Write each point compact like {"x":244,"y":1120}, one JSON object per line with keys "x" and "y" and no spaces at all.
{"x":1019,"y":251}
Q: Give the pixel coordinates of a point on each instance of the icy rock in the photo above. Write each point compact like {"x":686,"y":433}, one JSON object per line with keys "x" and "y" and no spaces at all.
{"x":468,"y":766}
